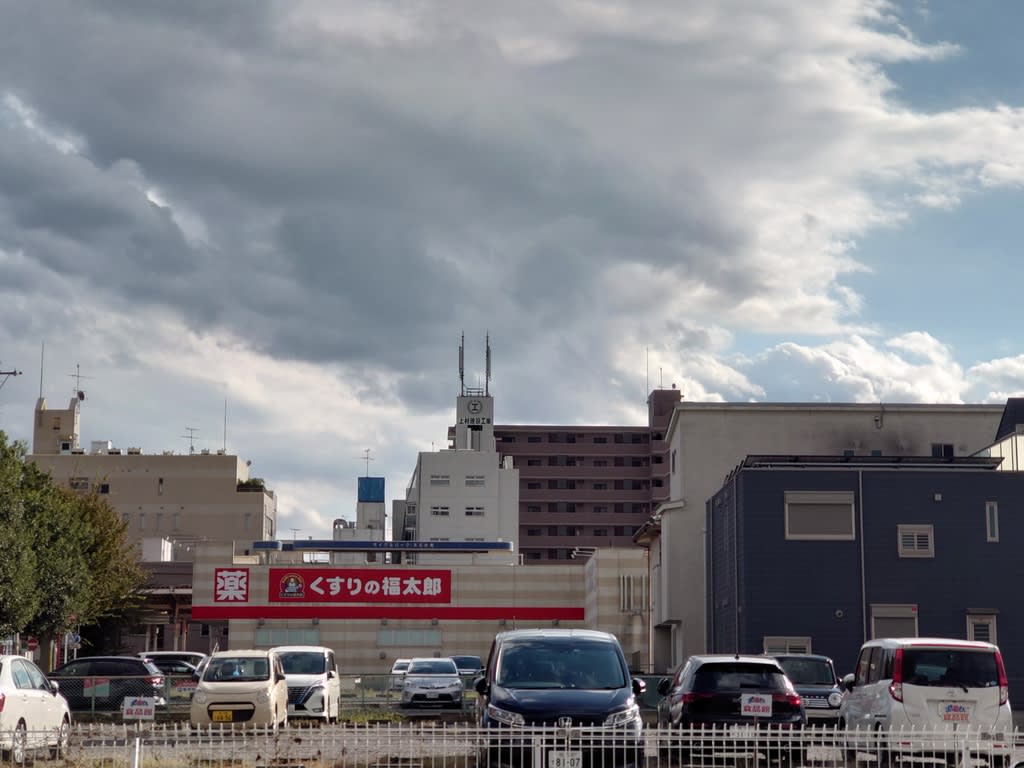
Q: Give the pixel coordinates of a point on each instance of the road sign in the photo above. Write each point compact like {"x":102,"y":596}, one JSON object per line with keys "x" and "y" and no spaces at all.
{"x":31,"y":643}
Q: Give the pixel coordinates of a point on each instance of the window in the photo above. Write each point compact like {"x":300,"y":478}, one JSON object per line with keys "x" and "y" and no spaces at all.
{"x":104,"y":488}
{"x":942,"y":450}
{"x":819,"y":515}
{"x":440,"y":480}
{"x":533,"y":462}
{"x":981,"y":626}
{"x":600,"y":462}
{"x":600,"y":508}
{"x":889,"y":620}
{"x":777,"y":645}
{"x":533,"y":439}
{"x":159,"y":486}
{"x":474,"y":511}
{"x":600,"y":531}
{"x":533,"y":486}
{"x":601,"y":440}
{"x":991,"y":521}
{"x":474,"y":480}
{"x":534,"y":509}
{"x":439,"y":511}
{"x":916,"y":540}
{"x":600,"y":486}
{"x":534,"y":531}
{"x":79,"y":483}
{"x":673,"y":460}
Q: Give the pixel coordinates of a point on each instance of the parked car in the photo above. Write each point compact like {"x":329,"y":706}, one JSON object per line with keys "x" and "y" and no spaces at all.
{"x":566,"y":678}
{"x":195,"y":658}
{"x":245,"y":688}
{"x":398,"y":673}
{"x":469,"y":666}
{"x":936,"y":685}
{"x":734,"y":700}
{"x":432,"y":682}
{"x":314,"y":683}
{"x":102,"y":682}
{"x":174,"y":667}
{"x":33,"y":713}
{"x":814,"y":678}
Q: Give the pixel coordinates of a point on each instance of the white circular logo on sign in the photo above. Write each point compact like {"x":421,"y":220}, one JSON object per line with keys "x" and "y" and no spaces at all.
{"x":475,"y":406}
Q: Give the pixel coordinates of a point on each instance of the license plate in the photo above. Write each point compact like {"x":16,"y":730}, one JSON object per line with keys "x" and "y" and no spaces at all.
{"x":955,"y":711}
{"x":432,"y":695}
{"x":222,"y":715}
{"x":741,"y":731}
{"x":560,"y":758}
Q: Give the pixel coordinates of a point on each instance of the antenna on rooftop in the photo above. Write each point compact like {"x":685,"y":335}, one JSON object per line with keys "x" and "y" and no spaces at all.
{"x":366,"y":457}
{"x":78,"y":376}
{"x":462,"y":364}
{"x":487,"y":379}
{"x":191,"y":436}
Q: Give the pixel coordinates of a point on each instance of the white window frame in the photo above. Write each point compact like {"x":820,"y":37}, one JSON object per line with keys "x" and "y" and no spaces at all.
{"x":440,"y":480}
{"x":474,"y":511}
{"x":974,"y":619}
{"x":796,"y":498}
{"x":475,"y":481}
{"x":440,"y":510}
{"x":992,"y":521}
{"x":779,"y":644}
{"x":919,"y":535}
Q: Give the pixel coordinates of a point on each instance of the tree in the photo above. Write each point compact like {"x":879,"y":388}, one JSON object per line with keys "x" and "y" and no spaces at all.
{"x":19,"y":599}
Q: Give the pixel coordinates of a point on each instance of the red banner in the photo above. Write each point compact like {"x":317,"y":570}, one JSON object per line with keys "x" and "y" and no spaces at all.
{"x":359,"y":585}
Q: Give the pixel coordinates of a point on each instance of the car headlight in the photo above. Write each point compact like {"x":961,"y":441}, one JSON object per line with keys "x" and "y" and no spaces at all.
{"x":263,"y":696}
{"x":625,"y":717}
{"x":835,"y":699}
{"x":199,"y":697}
{"x":504,"y":716}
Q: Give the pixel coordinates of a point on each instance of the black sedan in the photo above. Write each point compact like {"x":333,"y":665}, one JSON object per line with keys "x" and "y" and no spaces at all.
{"x":95,"y":683}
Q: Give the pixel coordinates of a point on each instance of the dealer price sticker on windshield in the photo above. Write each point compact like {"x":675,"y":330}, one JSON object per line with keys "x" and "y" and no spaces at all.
{"x":559,"y":758}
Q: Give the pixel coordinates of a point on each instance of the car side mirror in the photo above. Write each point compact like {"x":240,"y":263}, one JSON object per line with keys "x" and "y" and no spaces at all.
{"x":664,"y":686}
{"x":331,"y":674}
{"x":847,"y":682}
{"x":480,"y":686}
{"x":54,"y":687}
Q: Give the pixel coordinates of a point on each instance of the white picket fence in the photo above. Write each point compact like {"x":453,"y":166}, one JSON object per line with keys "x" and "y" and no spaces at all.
{"x":458,"y":745}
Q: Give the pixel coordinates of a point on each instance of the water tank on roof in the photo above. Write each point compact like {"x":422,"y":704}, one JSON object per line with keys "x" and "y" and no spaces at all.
{"x":371,"y":489}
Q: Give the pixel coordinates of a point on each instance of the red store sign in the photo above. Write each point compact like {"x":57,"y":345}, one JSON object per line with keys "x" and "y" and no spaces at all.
{"x":359,"y":585}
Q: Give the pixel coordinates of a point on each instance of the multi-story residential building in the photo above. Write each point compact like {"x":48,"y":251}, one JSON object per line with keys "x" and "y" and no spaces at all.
{"x":587,"y":487}
{"x":817,"y":554}
{"x":705,"y":441}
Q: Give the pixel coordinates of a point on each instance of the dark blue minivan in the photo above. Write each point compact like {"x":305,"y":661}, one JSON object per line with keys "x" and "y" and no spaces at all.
{"x":576,"y":681}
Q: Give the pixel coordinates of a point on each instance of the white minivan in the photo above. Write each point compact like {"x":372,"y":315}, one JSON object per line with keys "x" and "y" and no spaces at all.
{"x":909,"y":695}
{"x":314,"y":682}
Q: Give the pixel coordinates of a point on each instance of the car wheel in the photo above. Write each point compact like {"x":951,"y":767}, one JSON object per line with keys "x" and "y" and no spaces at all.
{"x":60,"y":749}
{"x":19,"y":744}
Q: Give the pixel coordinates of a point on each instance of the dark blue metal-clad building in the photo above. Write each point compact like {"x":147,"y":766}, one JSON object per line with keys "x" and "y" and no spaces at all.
{"x":371,"y":489}
{"x":819,"y":553}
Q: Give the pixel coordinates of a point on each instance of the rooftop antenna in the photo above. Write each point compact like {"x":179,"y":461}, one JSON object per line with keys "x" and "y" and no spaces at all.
{"x":487,"y":380}
{"x":366,"y":457}
{"x":78,"y":376}
{"x":191,"y":439}
{"x":462,"y":364}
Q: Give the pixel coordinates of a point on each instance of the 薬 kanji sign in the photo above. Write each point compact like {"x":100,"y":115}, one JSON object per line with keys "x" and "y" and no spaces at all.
{"x":230,"y":585}
{"x":359,"y":585}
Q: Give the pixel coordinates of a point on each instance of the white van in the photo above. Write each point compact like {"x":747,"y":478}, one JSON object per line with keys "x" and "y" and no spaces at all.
{"x":915,"y":692}
{"x":314,"y":682}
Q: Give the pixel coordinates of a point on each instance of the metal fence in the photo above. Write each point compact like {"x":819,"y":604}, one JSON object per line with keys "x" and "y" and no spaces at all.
{"x":460,"y":745}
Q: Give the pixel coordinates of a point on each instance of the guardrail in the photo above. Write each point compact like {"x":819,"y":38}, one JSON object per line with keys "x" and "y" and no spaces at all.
{"x":432,"y":745}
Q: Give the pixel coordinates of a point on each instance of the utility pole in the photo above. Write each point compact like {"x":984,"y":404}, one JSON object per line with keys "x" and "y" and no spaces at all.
{"x":5,"y":375}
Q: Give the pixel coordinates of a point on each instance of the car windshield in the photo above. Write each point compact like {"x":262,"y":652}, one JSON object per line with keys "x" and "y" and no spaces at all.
{"x":946,"y":666}
{"x":237,"y":669}
{"x":468,"y":662}
{"x":738,"y":676}
{"x":303,"y":662}
{"x":432,"y":667}
{"x":809,"y":671}
{"x":547,"y":663}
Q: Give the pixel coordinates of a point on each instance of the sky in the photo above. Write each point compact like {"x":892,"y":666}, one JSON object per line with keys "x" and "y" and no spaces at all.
{"x":265,"y":226}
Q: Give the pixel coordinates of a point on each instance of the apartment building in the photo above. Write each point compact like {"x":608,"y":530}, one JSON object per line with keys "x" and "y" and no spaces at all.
{"x":705,"y":441}
{"x":587,"y":487}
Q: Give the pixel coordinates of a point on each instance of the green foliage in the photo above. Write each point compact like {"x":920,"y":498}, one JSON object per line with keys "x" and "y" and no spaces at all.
{"x":65,"y":557}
